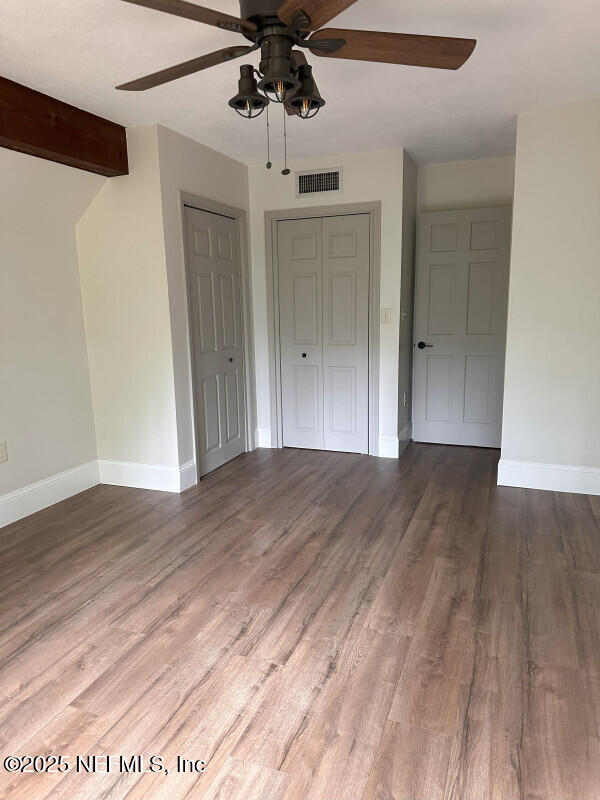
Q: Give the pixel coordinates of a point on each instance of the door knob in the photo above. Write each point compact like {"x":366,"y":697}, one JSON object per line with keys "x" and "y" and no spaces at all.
{"x":231,"y":360}
{"x":303,"y":355}
{"x":423,"y":345}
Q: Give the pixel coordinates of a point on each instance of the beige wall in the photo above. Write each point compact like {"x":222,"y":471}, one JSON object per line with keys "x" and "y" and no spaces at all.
{"x":552,"y":390}
{"x":126,"y":310}
{"x":186,"y":165}
{"x":375,"y":176}
{"x":45,"y":402}
{"x":466,"y":184}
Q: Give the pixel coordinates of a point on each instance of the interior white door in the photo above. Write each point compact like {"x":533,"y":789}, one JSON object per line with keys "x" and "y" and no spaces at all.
{"x":216,"y":329}
{"x":324,"y":272}
{"x":461,"y":303}
{"x":346,"y":255}
{"x":299,"y":249}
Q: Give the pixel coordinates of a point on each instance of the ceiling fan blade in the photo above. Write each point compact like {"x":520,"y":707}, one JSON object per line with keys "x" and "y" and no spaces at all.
{"x":186,"y":68}
{"x":440,"y":52}
{"x":320,"y":11}
{"x":180,"y":8}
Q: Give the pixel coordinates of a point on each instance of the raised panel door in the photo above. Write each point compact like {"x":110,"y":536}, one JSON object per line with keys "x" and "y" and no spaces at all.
{"x":460,"y":315}
{"x":216,"y":331}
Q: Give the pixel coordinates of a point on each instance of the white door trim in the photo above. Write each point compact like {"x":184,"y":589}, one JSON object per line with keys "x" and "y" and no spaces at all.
{"x":271,"y":220}
{"x":238,"y":214}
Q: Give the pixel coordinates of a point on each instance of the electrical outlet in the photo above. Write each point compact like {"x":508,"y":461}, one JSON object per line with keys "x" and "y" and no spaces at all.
{"x":3,"y":453}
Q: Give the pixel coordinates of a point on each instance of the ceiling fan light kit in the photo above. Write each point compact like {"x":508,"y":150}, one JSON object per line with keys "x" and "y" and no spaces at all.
{"x":306,"y":101}
{"x":248,"y":102}
{"x":284,"y":75}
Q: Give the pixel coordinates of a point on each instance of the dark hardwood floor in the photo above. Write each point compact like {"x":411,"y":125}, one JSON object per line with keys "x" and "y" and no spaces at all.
{"x":314,"y":626}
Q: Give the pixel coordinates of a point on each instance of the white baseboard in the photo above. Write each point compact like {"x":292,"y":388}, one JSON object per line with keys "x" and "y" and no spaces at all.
{"x":549,"y":477}
{"x":389,"y":447}
{"x":23,"y":502}
{"x":188,"y":476}
{"x":263,"y":437}
{"x":147,"y":476}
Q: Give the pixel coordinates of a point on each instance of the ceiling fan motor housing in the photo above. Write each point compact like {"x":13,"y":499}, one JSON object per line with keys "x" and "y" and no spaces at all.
{"x":275,"y":55}
{"x":276,"y":64}
{"x":259,"y":10}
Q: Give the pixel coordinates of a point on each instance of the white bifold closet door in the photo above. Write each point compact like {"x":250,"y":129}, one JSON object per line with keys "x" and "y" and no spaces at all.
{"x":324,"y":274}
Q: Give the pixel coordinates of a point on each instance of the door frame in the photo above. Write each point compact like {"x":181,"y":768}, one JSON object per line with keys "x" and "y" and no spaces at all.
{"x":240,"y":217}
{"x":341,"y":210}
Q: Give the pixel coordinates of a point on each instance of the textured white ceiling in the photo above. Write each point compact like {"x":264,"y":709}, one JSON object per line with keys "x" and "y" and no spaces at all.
{"x":530,"y":54}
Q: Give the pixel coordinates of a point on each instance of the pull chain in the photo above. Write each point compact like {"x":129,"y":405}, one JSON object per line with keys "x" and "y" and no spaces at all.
{"x":285,"y":171}
{"x":269,"y":164}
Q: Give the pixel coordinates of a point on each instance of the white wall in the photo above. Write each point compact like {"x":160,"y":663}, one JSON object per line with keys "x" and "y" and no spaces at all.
{"x":45,"y":402}
{"x":466,"y":184}
{"x":186,"y":165}
{"x":551,"y":436}
{"x":126,"y":311}
{"x":375,"y":176}
{"x":131,"y":254}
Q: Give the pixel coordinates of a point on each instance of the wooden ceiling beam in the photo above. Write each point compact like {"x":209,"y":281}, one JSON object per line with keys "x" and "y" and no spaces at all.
{"x":39,"y":125}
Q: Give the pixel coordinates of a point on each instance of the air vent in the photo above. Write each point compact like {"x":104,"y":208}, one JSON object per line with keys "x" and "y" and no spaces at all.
{"x":328,"y":181}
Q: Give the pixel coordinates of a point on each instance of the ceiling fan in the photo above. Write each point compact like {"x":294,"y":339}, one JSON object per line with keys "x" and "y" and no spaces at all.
{"x":284,"y":75}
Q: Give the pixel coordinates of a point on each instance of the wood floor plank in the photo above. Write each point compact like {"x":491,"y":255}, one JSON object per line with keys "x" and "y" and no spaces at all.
{"x":427,"y":693}
{"x":411,"y":764}
{"x":245,"y":781}
{"x":40,"y":697}
{"x":329,"y":766}
{"x":70,"y":731}
{"x":485,"y":757}
{"x":561,"y":752}
{"x":580,"y":532}
{"x":315,"y":626}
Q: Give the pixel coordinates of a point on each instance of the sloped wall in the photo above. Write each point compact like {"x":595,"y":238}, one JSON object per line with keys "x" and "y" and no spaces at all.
{"x":126,"y":310}
{"x":45,"y":401}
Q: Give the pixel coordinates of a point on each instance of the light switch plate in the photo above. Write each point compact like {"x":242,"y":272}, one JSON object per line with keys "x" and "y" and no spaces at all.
{"x":386,"y":316}
{"x":3,"y":452}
